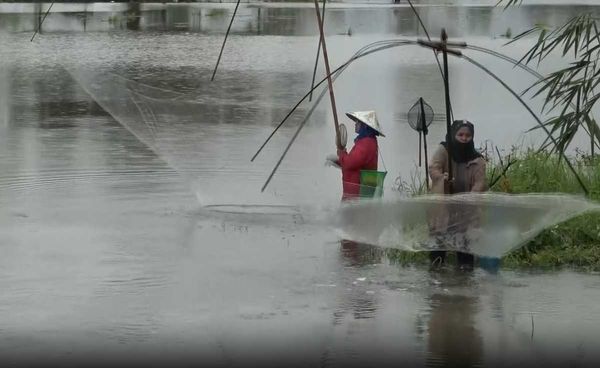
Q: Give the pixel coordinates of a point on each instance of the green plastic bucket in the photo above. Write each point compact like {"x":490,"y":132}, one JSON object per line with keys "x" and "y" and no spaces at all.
{"x":371,"y":183}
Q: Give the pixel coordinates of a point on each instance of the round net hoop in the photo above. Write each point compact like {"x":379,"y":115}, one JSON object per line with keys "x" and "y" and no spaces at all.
{"x":414,"y":117}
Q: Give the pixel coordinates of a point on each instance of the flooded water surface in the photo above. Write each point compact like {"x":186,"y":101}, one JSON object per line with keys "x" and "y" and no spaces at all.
{"x":132,"y":223}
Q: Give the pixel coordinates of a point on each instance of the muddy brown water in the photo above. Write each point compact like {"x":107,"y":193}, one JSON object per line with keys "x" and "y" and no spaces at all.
{"x":108,"y":254}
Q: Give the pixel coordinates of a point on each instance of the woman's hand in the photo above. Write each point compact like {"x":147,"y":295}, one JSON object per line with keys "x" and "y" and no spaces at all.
{"x":447,"y":178}
{"x":332,"y":160}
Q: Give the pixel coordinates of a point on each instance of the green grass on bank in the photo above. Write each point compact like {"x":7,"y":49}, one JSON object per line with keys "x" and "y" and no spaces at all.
{"x":543,"y":172}
{"x":574,"y":243}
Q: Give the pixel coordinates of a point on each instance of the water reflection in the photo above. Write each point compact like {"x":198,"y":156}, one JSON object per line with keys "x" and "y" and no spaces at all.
{"x":95,"y":235}
{"x":297,"y":19}
{"x":453,"y":338}
{"x":357,"y":300}
{"x":355,"y":311}
{"x":134,"y":15}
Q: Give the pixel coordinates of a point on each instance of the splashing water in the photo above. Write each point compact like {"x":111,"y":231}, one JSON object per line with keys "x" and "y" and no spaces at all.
{"x":484,"y":224}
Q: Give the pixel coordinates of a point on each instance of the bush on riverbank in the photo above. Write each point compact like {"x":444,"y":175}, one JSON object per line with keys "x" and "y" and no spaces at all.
{"x":574,"y":243}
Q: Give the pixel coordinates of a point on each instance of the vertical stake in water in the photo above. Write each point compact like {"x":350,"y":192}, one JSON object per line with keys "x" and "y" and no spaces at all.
{"x":419,"y":116}
{"x":444,"y":38}
{"x":425,"y":132}
{"x":329,"y":82}
{"x":420,"y":149}
{"x":225,"y":40}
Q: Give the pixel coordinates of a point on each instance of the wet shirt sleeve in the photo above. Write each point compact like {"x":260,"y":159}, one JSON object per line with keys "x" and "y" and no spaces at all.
{"x":438,"y":164}
{"x":354,"y":160}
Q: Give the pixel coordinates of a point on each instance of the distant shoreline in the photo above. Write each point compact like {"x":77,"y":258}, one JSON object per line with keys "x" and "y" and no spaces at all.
{"x":486,"y":3}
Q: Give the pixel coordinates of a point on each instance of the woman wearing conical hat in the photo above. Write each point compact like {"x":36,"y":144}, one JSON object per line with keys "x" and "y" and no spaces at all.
{"x":364,"y":153}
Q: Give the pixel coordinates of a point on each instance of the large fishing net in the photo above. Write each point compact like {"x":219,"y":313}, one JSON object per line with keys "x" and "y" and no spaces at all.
{"x":485,"y":224}
{"x":187,"y":132}
{"x":209,"y":135}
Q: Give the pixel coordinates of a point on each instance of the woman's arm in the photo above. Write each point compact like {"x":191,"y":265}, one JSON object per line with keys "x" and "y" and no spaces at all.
{"x":354,"y":160}
{"x":438,"y":164}
{"x":438,"y":168}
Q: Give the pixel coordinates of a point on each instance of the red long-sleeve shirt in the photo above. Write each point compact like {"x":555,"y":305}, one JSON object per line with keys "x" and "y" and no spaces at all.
{"x":363,"y":156}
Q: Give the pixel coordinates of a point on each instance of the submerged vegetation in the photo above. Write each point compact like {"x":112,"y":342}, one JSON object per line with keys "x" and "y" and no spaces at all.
{"x":574,"y":243}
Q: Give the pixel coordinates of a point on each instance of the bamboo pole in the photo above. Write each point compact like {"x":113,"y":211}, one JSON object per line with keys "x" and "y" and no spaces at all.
{"x":329,"y":82}
{"x":444,"y":39}
{"x":225,"y":40}
{"x":312,"y":83}
{"x":39,"y":28}
{"x":425,"y":132}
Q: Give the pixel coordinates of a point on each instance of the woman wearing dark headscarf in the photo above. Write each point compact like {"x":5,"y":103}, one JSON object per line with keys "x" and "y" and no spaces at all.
{"x":468,"y":175}
{"x":468,"y":166}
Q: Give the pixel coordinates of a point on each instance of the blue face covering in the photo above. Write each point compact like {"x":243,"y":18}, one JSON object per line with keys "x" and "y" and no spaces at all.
{"x":365,"y":131}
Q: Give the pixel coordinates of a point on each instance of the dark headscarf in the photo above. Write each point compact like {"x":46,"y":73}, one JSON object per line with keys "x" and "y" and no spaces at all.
{"x":365,"y":131}
{"x":462,"y":152}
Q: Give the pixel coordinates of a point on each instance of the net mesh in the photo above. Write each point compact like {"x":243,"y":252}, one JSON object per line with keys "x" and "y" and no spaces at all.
{"x":209,"y":138}
{"x":487,"y":224}
{"x":414,"y":115}
{"x":189,"y":135}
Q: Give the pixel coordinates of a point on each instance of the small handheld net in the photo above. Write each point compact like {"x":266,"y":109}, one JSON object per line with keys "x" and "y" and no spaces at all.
{"x":343,"y":135}
{"x":420,"y":116}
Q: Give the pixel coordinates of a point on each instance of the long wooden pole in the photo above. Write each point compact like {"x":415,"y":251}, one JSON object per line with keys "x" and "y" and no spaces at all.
{"x":312,"y":84}
{"x":329,"y":82}
{"x":425,"y":132}
{"x":39,"y":28}
{"x":225,"y":40}
{"x":444,"y":38}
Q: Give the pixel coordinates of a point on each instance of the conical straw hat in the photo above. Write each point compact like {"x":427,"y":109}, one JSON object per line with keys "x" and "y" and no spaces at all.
{"x":367,"y":117}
